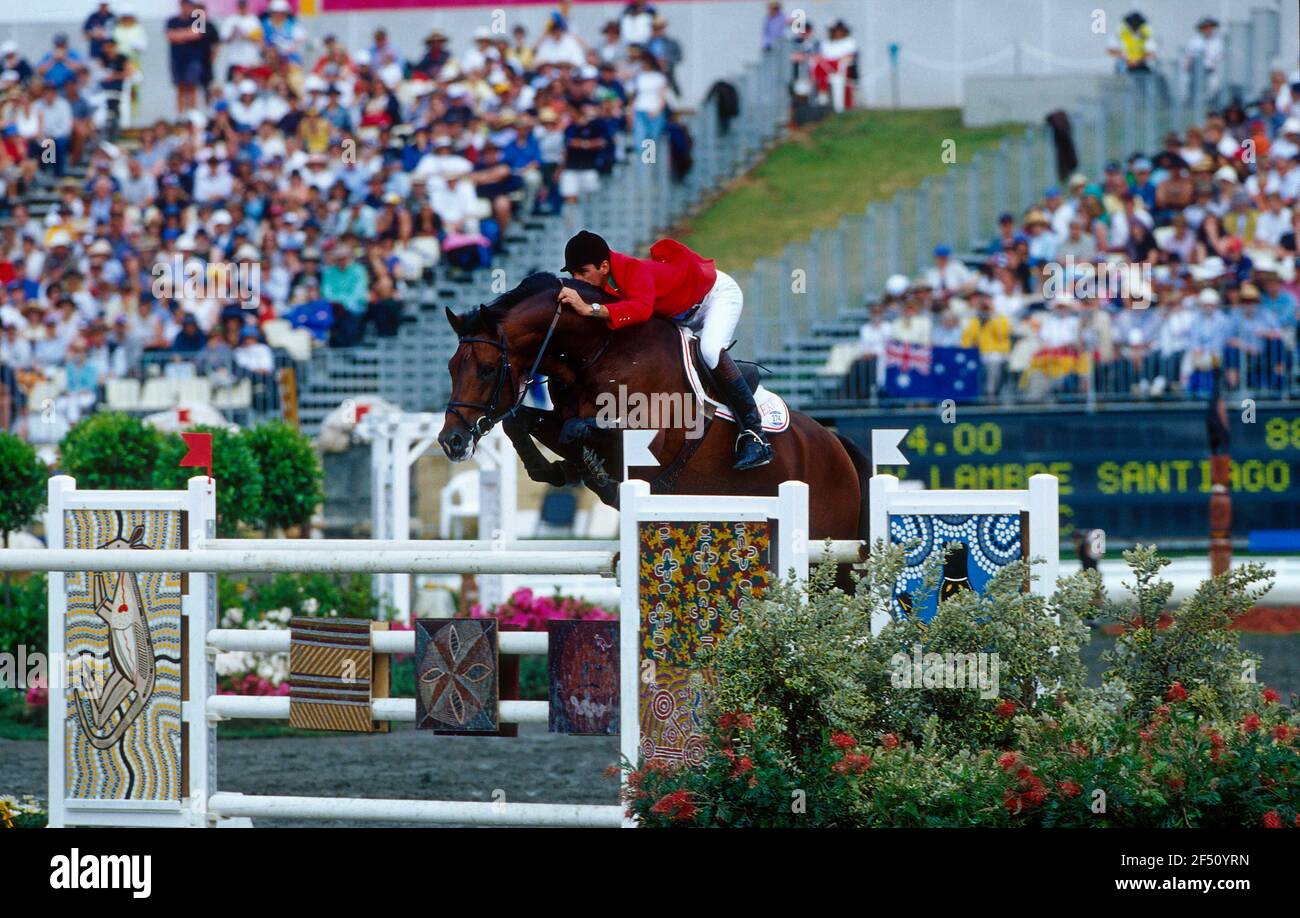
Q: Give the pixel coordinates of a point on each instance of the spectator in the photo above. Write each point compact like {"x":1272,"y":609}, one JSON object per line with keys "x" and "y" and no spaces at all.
{"x":344,"y":283}
{"x":949,"y":276}
{"x":559,"y":46}
{"x":774,"y":25}
{"x":834,"y":68}
{"x":241,"y":42}
{"x":11,"y":61}
{"x":1203,"y":60}
{"x":1254,"y":344}
{"x":56,"y":123}
{"x":98,"y":27}
{"x":649,"y":90}
{"x":666,"y":50}
{"x":60,"y":65}
{"x":189,"y":47}
{"x":1134,"y":45}
{"x":991,"y":333}
{"x":636,"y":23}
{"x":1206,"y":342}
{"x":584,"y":141}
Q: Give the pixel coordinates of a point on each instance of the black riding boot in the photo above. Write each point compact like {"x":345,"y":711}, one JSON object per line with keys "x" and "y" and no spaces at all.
{"x":752,"y":447}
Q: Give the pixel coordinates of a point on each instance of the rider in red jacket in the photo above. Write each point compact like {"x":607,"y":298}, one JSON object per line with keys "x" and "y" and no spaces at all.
{"x":680,"y":285}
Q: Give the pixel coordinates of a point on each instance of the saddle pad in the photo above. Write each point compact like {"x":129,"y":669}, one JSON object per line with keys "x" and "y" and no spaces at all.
{"x":773,"y":410}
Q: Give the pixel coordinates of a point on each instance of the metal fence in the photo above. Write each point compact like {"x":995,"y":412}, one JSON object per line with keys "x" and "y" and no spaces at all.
{"x":844,"y":267}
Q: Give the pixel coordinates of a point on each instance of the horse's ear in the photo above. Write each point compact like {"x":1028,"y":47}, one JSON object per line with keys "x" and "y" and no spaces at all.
{"x":454,"y":320}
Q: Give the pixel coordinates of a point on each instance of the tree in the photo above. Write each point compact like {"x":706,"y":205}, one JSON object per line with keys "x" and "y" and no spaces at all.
{"x":291,"y":474}
{"x":239,"y":479}
{"x":110,"y":451}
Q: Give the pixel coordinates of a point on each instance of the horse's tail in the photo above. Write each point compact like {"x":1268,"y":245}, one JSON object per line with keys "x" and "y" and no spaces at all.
{"x":863,"y":467}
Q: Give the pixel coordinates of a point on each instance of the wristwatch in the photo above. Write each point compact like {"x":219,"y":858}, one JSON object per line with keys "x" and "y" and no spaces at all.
{"x":596,"y":309}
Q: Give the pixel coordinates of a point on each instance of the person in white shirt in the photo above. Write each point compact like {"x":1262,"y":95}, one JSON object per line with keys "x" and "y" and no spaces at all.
{"x":212,"y":179}
{"x":252,"y":356}
{"x":1287,"y":143}
{"x":241,"y":40}
{"x":1274,"y":221}
{"x":636,"y":23}
{"x":947,"y":275}
{"x":913,"y":326}
{"x":1205,"y":48}
{"x":247,"y":110}
{"x":558,"y":45}
{"x":836,"y":55}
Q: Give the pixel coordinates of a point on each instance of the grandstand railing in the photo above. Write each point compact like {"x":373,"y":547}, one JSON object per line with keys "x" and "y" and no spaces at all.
{"x":846,"y":266}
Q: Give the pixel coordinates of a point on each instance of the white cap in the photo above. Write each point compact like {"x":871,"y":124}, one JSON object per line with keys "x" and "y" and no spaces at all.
{"x":1291,"y":126}
{"x":221,"y":217}
{"x":59,"y":237}
{"x":9,"y":47}
{"x":1209,"y":297}
{"x":1226,"y":174}
{"x":278,"y":6}
{"x":897,"y":285}
{"x":482,"y":33}
{"x":362,"y":58}
{"x":247,"y":88}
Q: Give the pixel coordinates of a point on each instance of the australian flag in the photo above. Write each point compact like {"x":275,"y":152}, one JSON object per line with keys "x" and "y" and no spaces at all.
{"x":923,"y":373}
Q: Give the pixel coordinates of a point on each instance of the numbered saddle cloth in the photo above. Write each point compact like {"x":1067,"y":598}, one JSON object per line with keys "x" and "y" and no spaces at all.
{"x":773,"y":410}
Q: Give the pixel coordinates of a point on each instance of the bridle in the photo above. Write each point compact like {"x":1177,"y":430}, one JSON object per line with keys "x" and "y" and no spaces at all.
{"x":489,"y":417}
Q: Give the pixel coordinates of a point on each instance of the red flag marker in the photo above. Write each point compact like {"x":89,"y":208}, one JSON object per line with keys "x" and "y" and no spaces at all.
{"x":183,"y":415}
{"x":200,"y":451}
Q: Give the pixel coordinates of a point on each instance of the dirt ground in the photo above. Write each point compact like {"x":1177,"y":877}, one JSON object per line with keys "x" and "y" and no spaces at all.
{"x":535,"y":767}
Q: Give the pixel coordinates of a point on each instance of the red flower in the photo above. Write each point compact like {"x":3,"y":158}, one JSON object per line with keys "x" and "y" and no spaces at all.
{"x":855,"y":762}
{"x":1271,"y":696}
{"x":1069,"y":789}
{"x":1011,"y":800}
{"x":1176,"y":783}
{"x":676,"y":806}
{"x":1297,"y":820}
{"x":1176,"y":692}
{"x":727,"y":721}
{"x":1025,"y":773}
{"x":1250,"y":724}
{"x":1146,"y":735}
{"x":1272,"y":820}
{"x":1282,"y":733}
{"x":1008,"y":760}
{"x":1007,"y":709}
{"x":613,"y":771}
{"x":843,"y":740}
{"x":1034,"y":796}
{"x":1162,"y":712}
{"x":889,"y":741}
{"x":1078,"y":747}
{"x":745,"y":764}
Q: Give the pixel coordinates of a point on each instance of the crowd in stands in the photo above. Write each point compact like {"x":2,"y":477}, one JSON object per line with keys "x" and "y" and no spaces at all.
{"x":1172,"y":272}
{"x":328,"y":177}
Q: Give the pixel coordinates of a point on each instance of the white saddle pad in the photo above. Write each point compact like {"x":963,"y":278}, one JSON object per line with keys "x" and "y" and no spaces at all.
{"x":773,"y":410}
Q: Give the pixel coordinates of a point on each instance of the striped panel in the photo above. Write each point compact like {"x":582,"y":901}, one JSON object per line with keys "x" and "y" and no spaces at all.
{"x":330,"y":675}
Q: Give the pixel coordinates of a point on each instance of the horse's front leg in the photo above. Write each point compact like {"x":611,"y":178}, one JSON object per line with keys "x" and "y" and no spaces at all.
{"x":520,"y":428}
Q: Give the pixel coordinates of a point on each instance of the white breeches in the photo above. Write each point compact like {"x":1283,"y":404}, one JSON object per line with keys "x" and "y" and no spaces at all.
{"x":716,"y":319}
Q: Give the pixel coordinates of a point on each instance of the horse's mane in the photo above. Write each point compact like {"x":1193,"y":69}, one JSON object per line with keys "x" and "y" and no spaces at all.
{"x":532,"y":285}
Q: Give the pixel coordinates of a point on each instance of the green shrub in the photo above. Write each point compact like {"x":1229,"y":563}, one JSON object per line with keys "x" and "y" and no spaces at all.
{"x":235,"y":468}
{"x":808,"y":725}
{"x":291,"y":474}
{"x":342,"y":595}
{"x":24,"y":477}
{"x":24,"y":613}
{"x":110,"y":451}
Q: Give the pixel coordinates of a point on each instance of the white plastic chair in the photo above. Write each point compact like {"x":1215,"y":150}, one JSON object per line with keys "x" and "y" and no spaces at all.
{"x":122,"y":394}
{"x":458,"y":502}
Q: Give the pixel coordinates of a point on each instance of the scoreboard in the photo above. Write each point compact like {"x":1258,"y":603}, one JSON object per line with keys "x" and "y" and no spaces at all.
{"x":1139,"y":474}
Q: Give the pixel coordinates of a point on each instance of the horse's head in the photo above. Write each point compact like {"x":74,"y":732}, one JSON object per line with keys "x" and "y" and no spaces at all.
{"x":484,"y":381}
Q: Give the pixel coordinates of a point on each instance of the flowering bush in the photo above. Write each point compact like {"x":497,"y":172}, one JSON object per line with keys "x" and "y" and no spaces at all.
{"x":527,"y":611}
{"x":25,"y":813}
{"x":806,"y":727}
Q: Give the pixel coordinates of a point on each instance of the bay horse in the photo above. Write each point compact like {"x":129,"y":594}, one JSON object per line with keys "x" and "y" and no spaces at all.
{"x":526,"y":334}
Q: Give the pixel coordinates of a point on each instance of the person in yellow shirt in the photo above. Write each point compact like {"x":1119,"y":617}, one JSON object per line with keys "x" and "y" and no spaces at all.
{"x":991,"y":333}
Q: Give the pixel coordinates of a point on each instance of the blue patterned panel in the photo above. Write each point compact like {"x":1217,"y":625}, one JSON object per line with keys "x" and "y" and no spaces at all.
{"x":991,"y":542}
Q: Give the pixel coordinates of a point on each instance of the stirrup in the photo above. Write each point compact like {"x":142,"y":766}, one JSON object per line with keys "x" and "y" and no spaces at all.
{"x":754,"y":435}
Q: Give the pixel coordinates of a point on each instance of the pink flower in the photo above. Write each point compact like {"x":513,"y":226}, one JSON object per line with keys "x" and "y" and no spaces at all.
{"x":38,"y":695}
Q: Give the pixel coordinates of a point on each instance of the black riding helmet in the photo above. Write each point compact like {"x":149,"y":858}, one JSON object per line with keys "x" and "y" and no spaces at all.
{"x":586,"y":248}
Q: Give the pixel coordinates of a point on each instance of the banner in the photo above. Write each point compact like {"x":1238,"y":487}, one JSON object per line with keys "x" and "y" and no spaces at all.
{"x":915,"y":371}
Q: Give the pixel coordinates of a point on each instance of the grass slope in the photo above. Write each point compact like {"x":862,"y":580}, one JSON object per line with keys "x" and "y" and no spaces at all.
{"x":821,"y":173}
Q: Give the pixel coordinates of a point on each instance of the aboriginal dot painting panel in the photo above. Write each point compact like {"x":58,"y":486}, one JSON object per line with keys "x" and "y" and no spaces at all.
{"x":981,"y":544}
{"x":122,"y":722}
{"x":692,"y":578}
{"x":332,"y":674}
{"x":457,"y":675}
{"x":582,"y":659}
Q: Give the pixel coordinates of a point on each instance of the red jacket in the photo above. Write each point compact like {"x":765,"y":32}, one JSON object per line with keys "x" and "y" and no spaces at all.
{"x":669,"y":282}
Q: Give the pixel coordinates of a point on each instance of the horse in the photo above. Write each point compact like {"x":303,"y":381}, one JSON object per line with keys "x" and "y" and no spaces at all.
{"x":526,"y":334}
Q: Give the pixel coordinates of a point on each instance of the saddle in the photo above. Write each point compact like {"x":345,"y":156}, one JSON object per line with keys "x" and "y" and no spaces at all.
{"x":773,"y":410}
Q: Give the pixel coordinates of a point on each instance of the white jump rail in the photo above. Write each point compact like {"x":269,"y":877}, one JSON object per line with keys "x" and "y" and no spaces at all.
{"x":201,"y":804}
